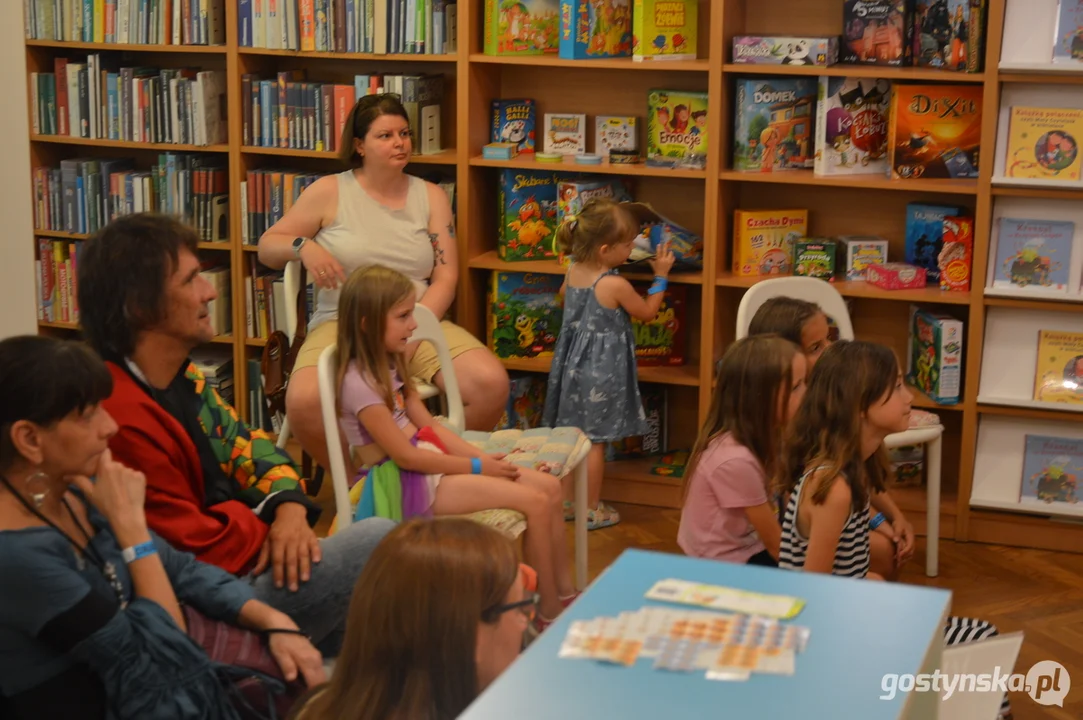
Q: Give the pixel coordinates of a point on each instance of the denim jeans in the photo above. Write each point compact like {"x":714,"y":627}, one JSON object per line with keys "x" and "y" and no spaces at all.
{"x":319,"y":606}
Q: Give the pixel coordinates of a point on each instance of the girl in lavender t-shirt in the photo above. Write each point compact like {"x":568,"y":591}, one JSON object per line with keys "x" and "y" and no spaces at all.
{"x":729,"y":512}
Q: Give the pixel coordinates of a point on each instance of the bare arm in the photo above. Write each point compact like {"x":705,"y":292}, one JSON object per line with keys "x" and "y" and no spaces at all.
{"x":765,"y":522}
{"x":624,"y":295}
{"x":826,"y":522}
{"x":385,"y":432}
{"x":421,"y":417}
{"x":313,"y":210}
{"x":445,"y":271}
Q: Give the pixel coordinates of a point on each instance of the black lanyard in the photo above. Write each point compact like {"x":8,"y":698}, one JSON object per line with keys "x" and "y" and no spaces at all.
{"x":89,"y":552}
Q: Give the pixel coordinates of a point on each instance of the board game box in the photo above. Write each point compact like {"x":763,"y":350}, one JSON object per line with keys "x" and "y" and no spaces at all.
{"x":763,"y":241}
{"x":525,"y":314}
{"x":934,"y":131}
{"x":656,"y":229}
{"x":956,"y":255}
{"x":663,"y":340}
{"x":851,"y":126}
{"x":948,"y":34}
{"x":768,"y":50}
{"x":514,"y":121}
{"x":1043,"y":143}
{"x":1051,"y":470}
{"x":524,"y":27}
{"x":925,"y":236}
{"x":526,"y":402}
{"x":655,"y":441}
{"x":1033,"y":254}
{"x":573,"y":193}
{"x":565,"y":133}
{"x":677,"y":129}
{"x":860,"y":252}
{"x":590,"y":29}
{"x":773,"y":124}
{"x":615,"y":132}
{"x":935,"y":359}
{"x":877,"y":32}
{"x":815,"y":257}
{"x":528,"y":215}
{"x":664,"y":30}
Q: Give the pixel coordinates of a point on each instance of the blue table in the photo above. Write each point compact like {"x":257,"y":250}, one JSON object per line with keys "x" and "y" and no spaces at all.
{"x":860,"y":630}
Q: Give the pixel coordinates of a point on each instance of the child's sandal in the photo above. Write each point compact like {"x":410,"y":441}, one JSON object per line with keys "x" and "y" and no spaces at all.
{"x":602,"y":516}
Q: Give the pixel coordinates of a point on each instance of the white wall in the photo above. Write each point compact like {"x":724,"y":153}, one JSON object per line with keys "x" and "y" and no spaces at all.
{"x":18,"y":310}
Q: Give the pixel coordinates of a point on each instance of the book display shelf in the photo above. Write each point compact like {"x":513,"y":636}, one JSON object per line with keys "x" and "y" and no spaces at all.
{"x":984,"y":433}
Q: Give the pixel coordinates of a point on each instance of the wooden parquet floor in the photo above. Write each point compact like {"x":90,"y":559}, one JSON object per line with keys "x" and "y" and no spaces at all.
{"x":1037,"y":592}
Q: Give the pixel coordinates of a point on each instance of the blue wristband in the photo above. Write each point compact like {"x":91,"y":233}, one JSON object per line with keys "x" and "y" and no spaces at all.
{"x":136,"y":552}
{"x":877,"y":521}
{"x":475,"y":465}
{"x":659,"y":285}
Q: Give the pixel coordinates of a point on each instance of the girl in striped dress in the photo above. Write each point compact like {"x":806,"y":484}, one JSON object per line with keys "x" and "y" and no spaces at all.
{"x":834,"y":461}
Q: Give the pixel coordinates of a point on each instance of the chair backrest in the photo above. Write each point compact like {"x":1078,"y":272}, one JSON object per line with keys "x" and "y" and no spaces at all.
{"x":803,"y":288}
{"x":982,"y":657}
{"x":430,"y":330}
{"x":327,"y":372}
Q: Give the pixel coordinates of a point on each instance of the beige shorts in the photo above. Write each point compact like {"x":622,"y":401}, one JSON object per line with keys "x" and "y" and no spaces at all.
{"x":423,"y":365}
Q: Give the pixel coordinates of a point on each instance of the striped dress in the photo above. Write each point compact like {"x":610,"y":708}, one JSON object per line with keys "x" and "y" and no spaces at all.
{"x":852,"y":560}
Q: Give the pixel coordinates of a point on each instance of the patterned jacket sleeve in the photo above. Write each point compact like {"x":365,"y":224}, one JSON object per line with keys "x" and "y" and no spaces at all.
{"x":265,"y":473}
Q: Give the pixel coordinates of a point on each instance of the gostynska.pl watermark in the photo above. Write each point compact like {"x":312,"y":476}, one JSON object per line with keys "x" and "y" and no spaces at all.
{"x":1047,"y":682}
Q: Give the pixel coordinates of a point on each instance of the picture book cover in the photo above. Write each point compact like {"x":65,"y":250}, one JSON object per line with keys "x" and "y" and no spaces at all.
{"x":528,"y":215}
{"x":934,"y":131}
{"x":565,"y":133}
{"x":1033,"y":254}
{"x":677,"y":129}
{"x":1043,"y":143}
{"x":615,"y":132}
{"x":851,"y":126}
{"x":1058,"y":377}
{"x":525,"y":314}
{"x":935,"y":360}
{"x":592,"y":29}
{"x":521,"y":27}
{"x":573,"y":193}
{"x":655,"y":229}
{"x":514,"y":121}
{"x":1068,"y":40}
{"x":941,"y":34}
{"x":1051,"y":468}
{"x":877,"y":32}
{"x":763,"y":241}
{"x":773,"y":124}
{"x":526,"y":402}
{"x":664,"y":30}
{"x":663,"y":340}
{"x":925,"y":236}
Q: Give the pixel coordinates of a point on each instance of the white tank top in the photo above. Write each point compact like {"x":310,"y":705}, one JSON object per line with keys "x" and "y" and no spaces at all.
{"x":365,"y":232}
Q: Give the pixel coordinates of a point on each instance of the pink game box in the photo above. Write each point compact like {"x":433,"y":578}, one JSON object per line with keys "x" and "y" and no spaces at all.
{"x":895,"y":276}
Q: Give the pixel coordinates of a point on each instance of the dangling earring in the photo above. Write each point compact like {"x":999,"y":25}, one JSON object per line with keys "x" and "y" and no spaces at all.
{"x":38,"y":498}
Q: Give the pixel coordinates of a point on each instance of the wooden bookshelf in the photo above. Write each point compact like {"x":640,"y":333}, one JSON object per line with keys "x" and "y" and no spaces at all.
{"x":703,"y":200}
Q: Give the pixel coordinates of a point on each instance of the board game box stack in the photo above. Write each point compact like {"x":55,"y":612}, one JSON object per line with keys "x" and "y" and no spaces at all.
{"x":524,"y":314}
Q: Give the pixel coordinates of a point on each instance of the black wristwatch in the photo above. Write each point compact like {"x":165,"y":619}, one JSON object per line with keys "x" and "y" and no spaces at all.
{"x":298,"y":243}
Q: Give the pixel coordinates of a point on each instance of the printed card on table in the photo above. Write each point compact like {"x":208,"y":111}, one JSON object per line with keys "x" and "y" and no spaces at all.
{"x":716,"y":597}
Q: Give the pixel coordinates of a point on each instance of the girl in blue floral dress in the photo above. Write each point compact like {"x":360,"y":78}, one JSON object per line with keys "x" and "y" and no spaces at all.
{"x":593,"y":384}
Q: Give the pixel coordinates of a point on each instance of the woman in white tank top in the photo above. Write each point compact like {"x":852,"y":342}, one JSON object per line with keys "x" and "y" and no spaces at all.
{"x":377,"y":214}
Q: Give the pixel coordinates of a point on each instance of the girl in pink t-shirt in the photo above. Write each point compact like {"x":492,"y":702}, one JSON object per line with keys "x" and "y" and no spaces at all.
{"x":728,"y":512}
{"x":386,"y":421}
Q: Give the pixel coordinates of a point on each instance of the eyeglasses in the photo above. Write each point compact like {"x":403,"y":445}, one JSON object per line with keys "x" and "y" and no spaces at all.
{"x":528,"y":606}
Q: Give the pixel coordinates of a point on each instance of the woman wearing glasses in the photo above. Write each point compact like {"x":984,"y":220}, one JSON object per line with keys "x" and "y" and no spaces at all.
{"x":377,"y":214}
{"x":438,"y":613}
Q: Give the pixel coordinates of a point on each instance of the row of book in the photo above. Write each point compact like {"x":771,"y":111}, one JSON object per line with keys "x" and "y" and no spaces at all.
{"x":416,"y":27}
{"x":145,"y":22}
{"x":84,"y":194}
{"x":97,"y":100}
{"x":288,"y":112}
{"x":267,"y":195}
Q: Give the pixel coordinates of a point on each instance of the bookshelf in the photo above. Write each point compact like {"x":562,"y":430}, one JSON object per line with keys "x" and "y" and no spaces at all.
{"x":703,"y":200}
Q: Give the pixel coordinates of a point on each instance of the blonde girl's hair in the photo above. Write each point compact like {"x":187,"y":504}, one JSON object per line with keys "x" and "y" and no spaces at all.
{"x":364,"y":302}
{"x":785,"y":316}
{"x":602,"y":221}
{"x":410,"y":650}
{"x":850,"y":377}
{"x":754,"y":379}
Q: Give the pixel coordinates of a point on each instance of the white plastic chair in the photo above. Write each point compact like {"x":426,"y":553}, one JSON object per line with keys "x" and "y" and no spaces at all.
{"x":983,"y":657}
{"x":830,"y":301}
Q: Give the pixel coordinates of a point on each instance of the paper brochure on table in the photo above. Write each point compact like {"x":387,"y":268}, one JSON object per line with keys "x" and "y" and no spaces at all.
{"x":717,"y":597}
{"x":725,"y":646}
